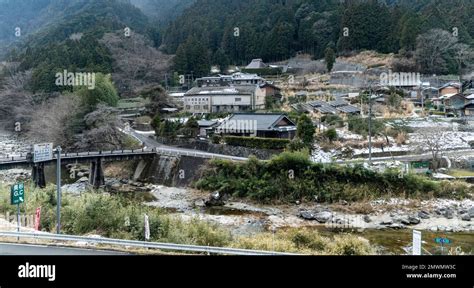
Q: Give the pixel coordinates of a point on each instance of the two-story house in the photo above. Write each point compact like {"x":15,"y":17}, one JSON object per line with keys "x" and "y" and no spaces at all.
{"x":216,"y":99}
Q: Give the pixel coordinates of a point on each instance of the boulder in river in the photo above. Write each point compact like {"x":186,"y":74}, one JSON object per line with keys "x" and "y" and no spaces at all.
{"x":386,"y":222}
{"x":471,"y":212}
{"x":466,"y":217}
{"x":216,"y":199}
{"x":307,"y":215}
{"x":323,"y":217}
{"x":423,"y":214}
{"x":449,"y":214}
{"x":367,"y":219}
{"x":414,"y":220}
{"x":396,"y":226}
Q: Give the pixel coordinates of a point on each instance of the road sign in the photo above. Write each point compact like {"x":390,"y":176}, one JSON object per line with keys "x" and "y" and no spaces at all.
{"x":17,"y":193}
{"x":440,"y":240}
{"x":416,"y":242}
{"x":42,"y":152}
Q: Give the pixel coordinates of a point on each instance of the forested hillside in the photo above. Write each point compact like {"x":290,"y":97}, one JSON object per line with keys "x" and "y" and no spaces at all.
{"x":235,"y":31}
{"x":111,"y":39}
{"x":162,"y":11}
{"x":73,"y":43}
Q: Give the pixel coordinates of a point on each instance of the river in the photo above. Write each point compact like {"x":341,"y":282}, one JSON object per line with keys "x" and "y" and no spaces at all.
{"x":244,"y":217}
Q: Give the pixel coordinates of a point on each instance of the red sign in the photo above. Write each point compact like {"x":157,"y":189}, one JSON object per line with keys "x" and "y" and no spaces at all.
{"x":37,"y":218}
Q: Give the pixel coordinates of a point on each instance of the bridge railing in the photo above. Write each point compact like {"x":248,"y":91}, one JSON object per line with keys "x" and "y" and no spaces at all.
{"x":164,"y":151}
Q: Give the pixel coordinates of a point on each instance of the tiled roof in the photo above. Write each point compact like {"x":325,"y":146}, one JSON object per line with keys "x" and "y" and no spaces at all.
{"x":348,"y":109}
{"x":264,"y":122}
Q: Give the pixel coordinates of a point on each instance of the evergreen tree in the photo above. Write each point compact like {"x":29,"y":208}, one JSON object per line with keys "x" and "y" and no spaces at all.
{"x":305,"y":130}
{"x":192,"y":58}
{"x":330,"y":58}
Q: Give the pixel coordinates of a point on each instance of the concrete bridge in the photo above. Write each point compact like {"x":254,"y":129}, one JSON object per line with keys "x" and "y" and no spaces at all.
{"x":96,"y":159}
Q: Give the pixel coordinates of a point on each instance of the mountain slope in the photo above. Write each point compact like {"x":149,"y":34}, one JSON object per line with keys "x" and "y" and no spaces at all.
{"x":162,"y":11}
{"x":72,"y":41}
{"x":238,"y":30}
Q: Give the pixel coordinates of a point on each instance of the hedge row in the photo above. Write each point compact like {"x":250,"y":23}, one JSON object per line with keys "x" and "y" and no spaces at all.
{"x":257,"y":142}
{"x":292,"y":176}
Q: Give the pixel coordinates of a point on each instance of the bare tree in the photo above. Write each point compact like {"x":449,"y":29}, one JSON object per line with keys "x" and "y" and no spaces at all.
{"x":137,"y":63}
{"x":431,"y":48}
{"x":51,"y":120}
{"x":16,"y":103}
{"x":463,"y":54}
{"x":102,"y":131}
{"x":430,"y":139}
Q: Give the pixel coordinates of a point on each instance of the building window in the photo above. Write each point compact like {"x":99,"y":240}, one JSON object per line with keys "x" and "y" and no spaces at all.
{"x":197,"y":107}
{"x":238,"y":99}
{"x":188,"y":107}
{"x":205,"y":107}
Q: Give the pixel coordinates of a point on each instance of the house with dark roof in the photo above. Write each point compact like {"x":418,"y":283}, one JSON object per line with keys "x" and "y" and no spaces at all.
{"x":266,"y":125}
{"x":453,"y":102}
{"x":207,"y":127}
{"x":468,"y":109}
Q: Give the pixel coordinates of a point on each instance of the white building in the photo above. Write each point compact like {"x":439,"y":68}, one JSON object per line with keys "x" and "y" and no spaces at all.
{"x":211,"y":99}
{"x":234,"y":79}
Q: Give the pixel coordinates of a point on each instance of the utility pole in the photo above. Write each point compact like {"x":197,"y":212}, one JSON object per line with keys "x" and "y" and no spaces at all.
{"x":423,"y":102}
{"x":370,"y":124}
{"x":58,"y":187}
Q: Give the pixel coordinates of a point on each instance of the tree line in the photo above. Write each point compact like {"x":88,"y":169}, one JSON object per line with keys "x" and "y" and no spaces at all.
{"x":236,"y":31}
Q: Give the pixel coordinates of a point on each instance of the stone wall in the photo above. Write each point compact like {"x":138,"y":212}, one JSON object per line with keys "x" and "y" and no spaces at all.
{"x":170,"y":171}
{"x":206,"y":146}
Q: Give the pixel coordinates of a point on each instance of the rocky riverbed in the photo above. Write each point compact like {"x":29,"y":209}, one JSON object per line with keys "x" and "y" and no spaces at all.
{"x":434,"y":215}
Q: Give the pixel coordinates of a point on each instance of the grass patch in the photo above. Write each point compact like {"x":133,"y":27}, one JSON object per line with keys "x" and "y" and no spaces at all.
{"x":461,"y":173}
{"x":113,"y":216}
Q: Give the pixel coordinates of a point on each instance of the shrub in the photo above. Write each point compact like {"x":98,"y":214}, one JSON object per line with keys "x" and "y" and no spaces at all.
{"x":292,"y":176}
{"x":331,"y":134}
{"x":333,"y":120}
{"x":349,"y":245}
{"x":360,"y":126}
{"x":216,"y":139}
{"x":296,"y":145}
{"x":401,"y":138}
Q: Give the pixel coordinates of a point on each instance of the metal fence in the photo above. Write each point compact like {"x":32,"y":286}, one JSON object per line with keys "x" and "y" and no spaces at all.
{"x":142,"y":244}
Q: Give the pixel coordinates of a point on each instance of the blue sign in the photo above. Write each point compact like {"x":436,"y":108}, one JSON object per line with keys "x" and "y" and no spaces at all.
{"x":442,"y":240}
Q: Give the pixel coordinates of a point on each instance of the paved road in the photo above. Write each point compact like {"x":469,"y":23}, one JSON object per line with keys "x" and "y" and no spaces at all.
{"x":414,"y":157}
{"x":39,"y":250}
{"x":150,"y":143}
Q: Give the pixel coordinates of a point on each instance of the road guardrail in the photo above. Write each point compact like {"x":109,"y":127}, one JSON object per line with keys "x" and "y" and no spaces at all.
{"x":143,"y":244}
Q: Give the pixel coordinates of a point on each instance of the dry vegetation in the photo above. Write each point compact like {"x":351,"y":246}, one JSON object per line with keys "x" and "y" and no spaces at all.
{"x":306,"y":241}
{"x":137,"y":63}
{"x":369,"y":59}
